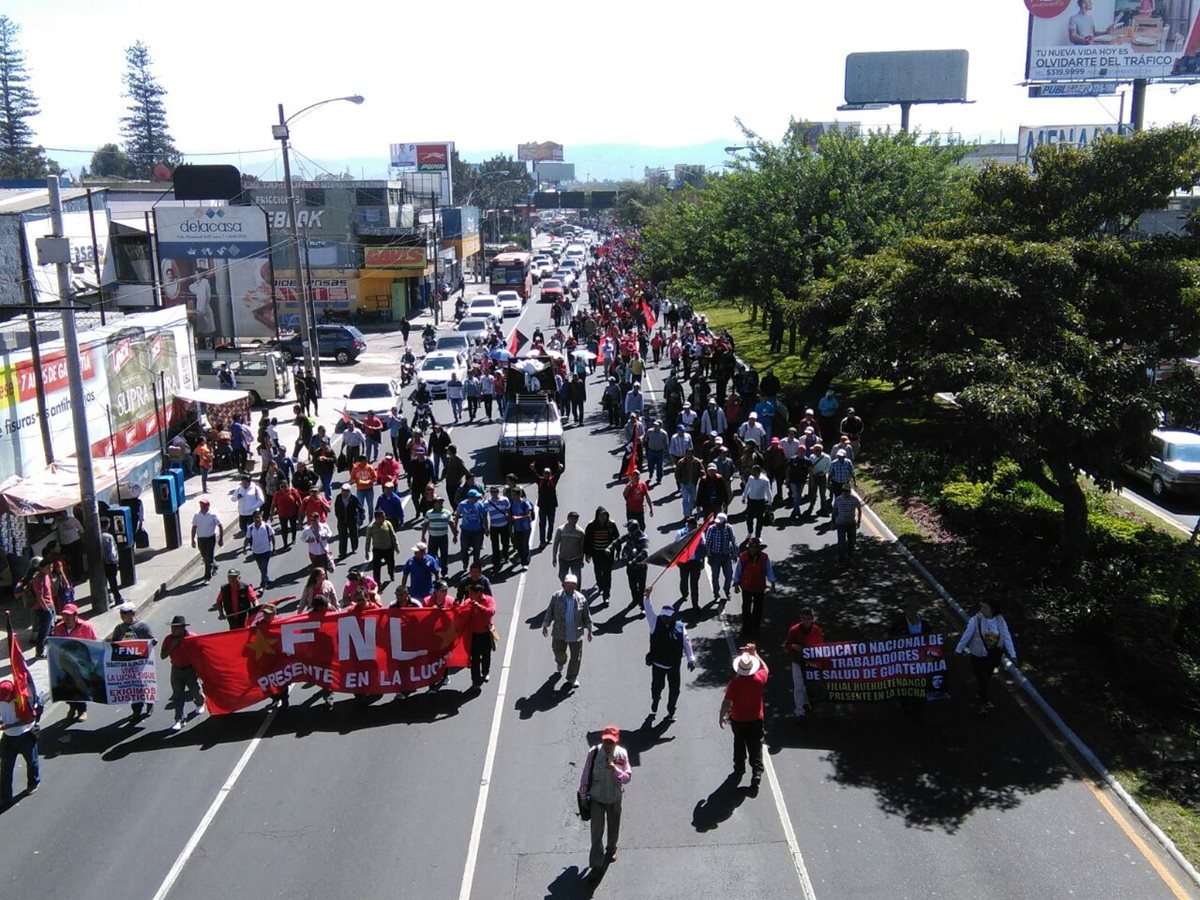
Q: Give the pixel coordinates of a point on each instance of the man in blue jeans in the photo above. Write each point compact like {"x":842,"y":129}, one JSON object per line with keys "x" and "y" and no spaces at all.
{"x":470,"y":517}
{"x":722,"y":548}
{"x":656,"y":442}
{"x":19,"y":738}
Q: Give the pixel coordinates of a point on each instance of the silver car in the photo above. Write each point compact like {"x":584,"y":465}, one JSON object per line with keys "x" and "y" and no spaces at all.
{"x":1174,"y":463}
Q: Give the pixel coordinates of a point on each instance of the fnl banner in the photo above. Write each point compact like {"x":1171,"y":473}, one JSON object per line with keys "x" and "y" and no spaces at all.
{"x":102,"y":671}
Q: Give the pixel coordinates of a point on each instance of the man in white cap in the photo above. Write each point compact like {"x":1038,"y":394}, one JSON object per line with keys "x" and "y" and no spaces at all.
{"x":207,"y":534}
{"x":420,"y":572}
{"x":569,"y":618}
{"x":742,"y":708}
{"x":721,"y":548}
{"x":751,"y":431}
{"x":669,"y":644}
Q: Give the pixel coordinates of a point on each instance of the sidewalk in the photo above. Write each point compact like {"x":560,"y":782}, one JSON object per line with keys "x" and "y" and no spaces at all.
{"x":158,"y":570}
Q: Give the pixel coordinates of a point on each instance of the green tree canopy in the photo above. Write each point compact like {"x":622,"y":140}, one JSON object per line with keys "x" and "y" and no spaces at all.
{"x":110,"y":161}
{"x":19,"y":156}
{"x":1041,"y":310}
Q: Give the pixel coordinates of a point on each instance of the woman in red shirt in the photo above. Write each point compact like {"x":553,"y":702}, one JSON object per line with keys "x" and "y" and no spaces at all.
{"x":483,"y":611}
{"x":287,"y":502}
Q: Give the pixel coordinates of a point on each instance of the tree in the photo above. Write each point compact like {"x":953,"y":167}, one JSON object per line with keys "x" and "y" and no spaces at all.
{"x":110,"y":161}
{"x":147,"y":137}
{"x":789,"y":214}
{"x":636,"y":200}
{"x":1042,"y":311}
{"x":19,"y":157}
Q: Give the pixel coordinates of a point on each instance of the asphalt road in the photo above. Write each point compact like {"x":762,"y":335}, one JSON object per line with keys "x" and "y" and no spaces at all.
{"x":389,"y":800}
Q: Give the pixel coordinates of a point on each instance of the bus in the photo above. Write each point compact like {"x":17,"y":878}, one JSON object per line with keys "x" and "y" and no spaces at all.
{"x":511,"y":272}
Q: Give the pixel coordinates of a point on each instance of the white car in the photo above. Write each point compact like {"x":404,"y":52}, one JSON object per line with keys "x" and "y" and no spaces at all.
{"x":485,"y":303}
{"x":576,"y":252}
{"x":474,"y":327}
{"x":377,"y":395}
{"x":510,"y":302}
{"x":567,"y":277}
{"x":437,"y":367}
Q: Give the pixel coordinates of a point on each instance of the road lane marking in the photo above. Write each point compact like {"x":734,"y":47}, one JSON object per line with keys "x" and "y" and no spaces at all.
{"x":485,"y":781}
{"x":785,"y":819}
{"x":194,"y":841}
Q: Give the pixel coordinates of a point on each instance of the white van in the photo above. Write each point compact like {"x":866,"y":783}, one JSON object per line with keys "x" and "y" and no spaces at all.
{"x":261,"y":372}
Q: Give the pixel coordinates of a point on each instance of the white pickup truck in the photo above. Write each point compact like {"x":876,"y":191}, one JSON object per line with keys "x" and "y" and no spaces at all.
{"x":531,"y":432}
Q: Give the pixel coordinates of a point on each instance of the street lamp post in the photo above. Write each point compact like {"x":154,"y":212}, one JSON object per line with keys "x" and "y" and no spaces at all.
{"x":307,"y":329}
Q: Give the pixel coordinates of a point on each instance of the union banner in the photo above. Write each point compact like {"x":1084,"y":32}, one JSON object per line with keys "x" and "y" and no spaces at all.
{"x":382,"y":651}
{"x":911,"y":668}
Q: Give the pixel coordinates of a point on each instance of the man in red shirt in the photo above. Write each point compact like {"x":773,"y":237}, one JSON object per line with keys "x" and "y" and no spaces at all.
{"x":373,"y":429}
{"x":637,"y":500}
{"x":742,"y":708}
{"x":388,"y":470}
{"x":315,"y":503}
{"x":805,"y":633}
{"x":483,"y":610}
{"x":74,"y":627}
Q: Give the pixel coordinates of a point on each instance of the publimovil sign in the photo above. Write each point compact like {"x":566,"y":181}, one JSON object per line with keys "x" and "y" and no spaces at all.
{"x":1085,"y":40}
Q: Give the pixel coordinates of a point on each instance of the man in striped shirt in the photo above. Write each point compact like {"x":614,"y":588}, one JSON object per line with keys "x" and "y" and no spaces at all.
{"x":841,"y":473}
{"x":439,"y":525}
{"x":721,"y":548}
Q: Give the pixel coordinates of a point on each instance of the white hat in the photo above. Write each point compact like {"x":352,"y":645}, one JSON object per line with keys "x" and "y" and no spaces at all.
{"x":841,"y":453}
{"x":746,"y":664}
{"x":810,"y":430}
{"x":721,"y":517}
{"x":570,"y":578}
{"x":753,"y":415}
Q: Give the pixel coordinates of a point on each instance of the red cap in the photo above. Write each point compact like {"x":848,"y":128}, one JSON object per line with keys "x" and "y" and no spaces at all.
{"x":610,"y":733}
{"x":70,"y":610}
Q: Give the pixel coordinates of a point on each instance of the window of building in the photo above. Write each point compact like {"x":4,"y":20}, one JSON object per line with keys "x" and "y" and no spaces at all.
{"x":314,"y":197}
{"x":370,"y":197}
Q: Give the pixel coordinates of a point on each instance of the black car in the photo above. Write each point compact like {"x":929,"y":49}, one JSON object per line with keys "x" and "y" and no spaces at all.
{"x":342,"y":343}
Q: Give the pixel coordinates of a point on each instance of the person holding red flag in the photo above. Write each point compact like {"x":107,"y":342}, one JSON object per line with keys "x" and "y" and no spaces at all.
{"x":637,"y":496}
{"x":20,"y":710}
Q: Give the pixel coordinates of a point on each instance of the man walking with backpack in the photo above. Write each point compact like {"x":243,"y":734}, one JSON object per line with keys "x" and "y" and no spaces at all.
{"x":669,"y":644}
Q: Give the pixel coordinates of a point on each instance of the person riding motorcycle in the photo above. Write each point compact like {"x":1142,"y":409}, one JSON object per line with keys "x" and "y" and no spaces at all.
{"x":428,"y":337}
{"x":421,"y":396}
{"x":460,"y":309}
{"x":408,"y":366}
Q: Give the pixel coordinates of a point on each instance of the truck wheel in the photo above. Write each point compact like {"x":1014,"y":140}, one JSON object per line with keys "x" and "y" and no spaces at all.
{"x":1158,"y":487}
{"x":288,"y":356}
{"x":256,"y":400}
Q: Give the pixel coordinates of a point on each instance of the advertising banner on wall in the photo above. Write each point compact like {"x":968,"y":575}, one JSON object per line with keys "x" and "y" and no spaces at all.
{"x":216,"y":261}
{"x":394,"y":258}
{"x":545,"y":151}
{"x":1082,"y":40}
{"x":86,"y":271}
{"x":124,"y":367}
{"x":1030,"y":137}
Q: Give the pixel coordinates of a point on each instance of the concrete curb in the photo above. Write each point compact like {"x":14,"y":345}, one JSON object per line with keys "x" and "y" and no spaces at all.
{"x":1055,"y":719}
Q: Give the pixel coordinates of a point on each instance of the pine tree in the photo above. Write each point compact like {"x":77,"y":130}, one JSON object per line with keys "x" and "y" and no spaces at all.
{"x":19,"y":157}
{"x":147,"y":138}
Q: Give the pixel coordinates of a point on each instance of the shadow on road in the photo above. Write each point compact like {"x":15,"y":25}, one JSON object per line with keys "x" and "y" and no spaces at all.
{"x":571,"y":883}
{"x":544,"y":699}
{"x":933,"y":771}
{"x":718,"y":806}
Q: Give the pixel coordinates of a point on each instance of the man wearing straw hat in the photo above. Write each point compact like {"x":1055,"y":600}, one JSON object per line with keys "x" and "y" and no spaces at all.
{"x":742,"y":708}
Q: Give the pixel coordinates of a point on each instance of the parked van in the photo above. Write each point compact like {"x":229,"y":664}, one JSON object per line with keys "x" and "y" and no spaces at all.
{"x":263,"y":373}
{"x":1174,"y":463}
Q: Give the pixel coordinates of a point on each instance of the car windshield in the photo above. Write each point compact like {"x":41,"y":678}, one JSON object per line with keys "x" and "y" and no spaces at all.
{"x":530,"y":412}
{"x":1189,"y":453}
{"x":438,"y":363}
{"x":510,"y":298}
{"x":551,"y":283}
{"x":369,"y":391}
{"x":482,"y":304}
{"x":472,"y":325}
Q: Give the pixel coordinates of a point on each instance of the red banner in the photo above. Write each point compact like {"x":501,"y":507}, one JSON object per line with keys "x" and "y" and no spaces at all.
{"x":382,"y":651}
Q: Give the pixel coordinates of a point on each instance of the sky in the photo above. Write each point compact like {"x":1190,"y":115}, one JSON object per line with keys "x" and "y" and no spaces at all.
{"x":488,"y":75}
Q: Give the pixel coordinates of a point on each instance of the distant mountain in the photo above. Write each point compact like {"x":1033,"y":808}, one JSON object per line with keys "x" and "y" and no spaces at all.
{"x":599,"y":162}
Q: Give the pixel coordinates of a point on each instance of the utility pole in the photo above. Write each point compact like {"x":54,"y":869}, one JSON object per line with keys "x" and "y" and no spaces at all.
{"x":83,"y":450}
{"x":280,"y":133}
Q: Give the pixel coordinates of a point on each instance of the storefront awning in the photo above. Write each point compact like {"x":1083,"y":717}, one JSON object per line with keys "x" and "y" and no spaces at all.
{"x":213,"y":396}
{"x":57,"y":486}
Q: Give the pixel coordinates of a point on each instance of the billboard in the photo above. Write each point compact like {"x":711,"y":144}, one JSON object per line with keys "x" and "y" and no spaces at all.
{"x":555,"y":171}
{"x":1074,"y":89}
{"x":433,"y":157}
{"x":907,"y":76}
{"x":77,"y":228}
{"x":1082,"y":40}
{"x":217,"y":262}
{"x":123,"y":367}
{"x":546,"y":151}
{"x":394,"y":258}
{"x":1078,"y":136}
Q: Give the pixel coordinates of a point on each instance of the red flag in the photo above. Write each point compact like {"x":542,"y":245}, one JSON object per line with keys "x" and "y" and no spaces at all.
{"x":648,"y":315}
{"x":631,"y":466}
{"x":25,"y":698}
{"x":517,"y":342}
{"x":381,"y":651}
{"x":600,"y":352}
{"x":681,"y":550}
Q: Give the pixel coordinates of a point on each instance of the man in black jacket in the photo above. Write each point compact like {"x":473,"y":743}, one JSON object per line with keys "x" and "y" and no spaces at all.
{"x":346,"y":512}
{"x":669,"y":643}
